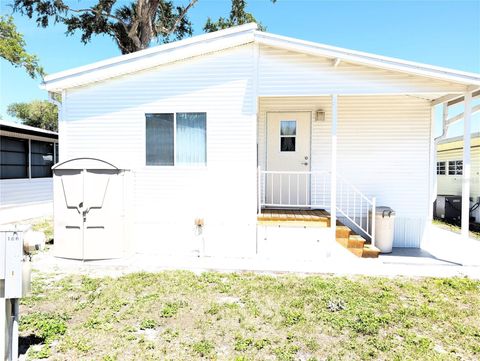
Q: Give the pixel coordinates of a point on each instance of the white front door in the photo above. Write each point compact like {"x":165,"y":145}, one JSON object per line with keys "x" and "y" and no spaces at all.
{"x":288,"y":150}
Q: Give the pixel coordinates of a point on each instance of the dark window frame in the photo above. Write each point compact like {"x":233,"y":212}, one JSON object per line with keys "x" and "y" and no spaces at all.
{"x":293,"y":137}
{"x":34,"y":166}
{"x":174,"y":141}
{"x":26,"y":152}
{"x":441,"y":167}
{"x":455,"y":167}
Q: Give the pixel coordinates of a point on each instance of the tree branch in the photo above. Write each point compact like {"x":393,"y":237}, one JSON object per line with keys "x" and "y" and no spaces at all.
{"x":98,"y":12}
{"x":179,"y":19}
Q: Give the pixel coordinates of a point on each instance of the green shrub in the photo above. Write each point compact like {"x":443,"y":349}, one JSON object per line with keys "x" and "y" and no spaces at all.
{"x":48,"y":326}
{"x":148,"y":324}
{"x":203,"y":348}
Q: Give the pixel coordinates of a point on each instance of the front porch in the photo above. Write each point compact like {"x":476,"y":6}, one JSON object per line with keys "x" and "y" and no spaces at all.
{"x":347,"y":154}
{"x":274,"y":223}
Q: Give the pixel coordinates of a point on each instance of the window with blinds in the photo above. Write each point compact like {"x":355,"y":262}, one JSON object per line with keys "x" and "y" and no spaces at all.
{"x":176,"y":139}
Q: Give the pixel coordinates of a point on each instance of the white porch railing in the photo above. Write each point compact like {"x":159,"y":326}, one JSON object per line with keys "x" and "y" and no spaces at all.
{"x":356,"y":207}
{"x":312,"y":190}
{"x":294,"y":189}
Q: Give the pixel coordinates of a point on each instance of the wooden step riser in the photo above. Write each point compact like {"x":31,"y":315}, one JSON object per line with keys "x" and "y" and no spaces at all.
{"x":343,"y":232}
{"x":351,"y":243}
{"x":370,"y":252}
{"x":355,"y":244}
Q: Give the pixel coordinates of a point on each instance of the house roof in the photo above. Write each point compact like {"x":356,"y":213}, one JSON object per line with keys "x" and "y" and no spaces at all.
{"x":26,"y":129}
{"x":235,"y":36}
{"x":457,"y":142}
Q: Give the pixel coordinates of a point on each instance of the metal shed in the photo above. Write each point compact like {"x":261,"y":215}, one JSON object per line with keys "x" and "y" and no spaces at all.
{"x":90,"y":204}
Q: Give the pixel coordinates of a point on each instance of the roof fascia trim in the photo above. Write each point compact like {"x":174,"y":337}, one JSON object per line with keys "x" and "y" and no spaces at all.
{"x":368,"y":59}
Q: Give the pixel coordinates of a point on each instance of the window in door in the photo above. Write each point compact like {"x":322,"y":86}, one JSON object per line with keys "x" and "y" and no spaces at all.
{"x":288,"y":135}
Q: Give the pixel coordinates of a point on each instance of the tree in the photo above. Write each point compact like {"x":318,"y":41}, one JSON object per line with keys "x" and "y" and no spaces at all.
{"x":238,"y":16}
{"x":133,"y":26}
{"x":37,"y":113}
{"x":12,"y":48}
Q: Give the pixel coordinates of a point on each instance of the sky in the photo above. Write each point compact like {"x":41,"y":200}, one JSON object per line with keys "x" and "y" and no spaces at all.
{"x":443,"y":33}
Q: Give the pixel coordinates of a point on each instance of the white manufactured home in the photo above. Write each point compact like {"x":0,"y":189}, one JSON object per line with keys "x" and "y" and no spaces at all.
{"x":26,"y":157}
{"x":450,"y":170}
{"x":241,"y":142}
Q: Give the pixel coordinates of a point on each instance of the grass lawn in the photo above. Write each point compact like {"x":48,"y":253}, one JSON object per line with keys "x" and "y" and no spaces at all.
{"x":454,"y":228}
{"x":244,"y":316}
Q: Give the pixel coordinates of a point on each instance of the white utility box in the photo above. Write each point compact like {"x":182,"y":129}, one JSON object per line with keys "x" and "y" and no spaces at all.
{"x":14,"y":283}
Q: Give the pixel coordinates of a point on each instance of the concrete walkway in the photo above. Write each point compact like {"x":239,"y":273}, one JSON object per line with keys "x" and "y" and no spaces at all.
{"x":402,"y":262}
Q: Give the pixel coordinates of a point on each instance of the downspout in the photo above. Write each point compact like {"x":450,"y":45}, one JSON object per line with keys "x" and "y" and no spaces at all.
{"x":445,"y":125}
{"x":437,"y":140}
{"x":52,"y":100}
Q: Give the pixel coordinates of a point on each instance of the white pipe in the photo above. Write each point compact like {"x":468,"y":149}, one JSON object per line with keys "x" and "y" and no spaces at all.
{"x":3,"y":327}
{"x":52,"y":100}
{"x":445,"y":126}
{"x":333,"y":177}
{"x":60,"y":110}
{"x":466,"y":165}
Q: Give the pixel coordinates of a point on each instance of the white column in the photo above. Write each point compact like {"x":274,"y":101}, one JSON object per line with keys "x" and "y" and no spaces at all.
{"x":3,"y":327}
{"x":333,"y":177}
{"x":433,"y":165}
{"x":467,"y":119}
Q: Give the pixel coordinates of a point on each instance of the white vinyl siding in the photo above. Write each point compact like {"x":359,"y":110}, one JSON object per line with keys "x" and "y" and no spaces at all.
{"x":383,"y":148}
{"x":452,"y":184}
{"x":19,"y":192}
{"x":383,"y":139}
{"x":107,"y":121}
{"x":287,"y":73}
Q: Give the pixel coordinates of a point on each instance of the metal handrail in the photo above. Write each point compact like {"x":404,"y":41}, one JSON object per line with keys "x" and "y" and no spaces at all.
{"x":354,"y":188}
{"x":316,"y":186}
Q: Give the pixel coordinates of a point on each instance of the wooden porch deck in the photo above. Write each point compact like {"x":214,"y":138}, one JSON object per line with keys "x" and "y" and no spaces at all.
{"x":319,"y":216}
{"x":355,"y":243}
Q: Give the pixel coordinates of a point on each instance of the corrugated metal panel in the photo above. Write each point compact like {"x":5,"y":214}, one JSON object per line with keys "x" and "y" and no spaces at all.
{"x":383,"y":149}
{"x":107,"y":121}
{"x":287,"y":73}
{"x":17,"y":192}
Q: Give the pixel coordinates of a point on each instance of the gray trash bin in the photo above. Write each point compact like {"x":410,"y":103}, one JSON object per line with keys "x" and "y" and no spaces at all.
{"x":384,"y":228}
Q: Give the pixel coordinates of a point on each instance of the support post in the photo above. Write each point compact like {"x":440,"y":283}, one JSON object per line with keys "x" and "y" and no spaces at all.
{"x":3,"y":328}
{"x":433,"y":165}
{"x":259,"y":191}
{"x":333,"y":167}
{"x":14,"y":330}
{"x":374,"y":215}
{"x":466,"y":165}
